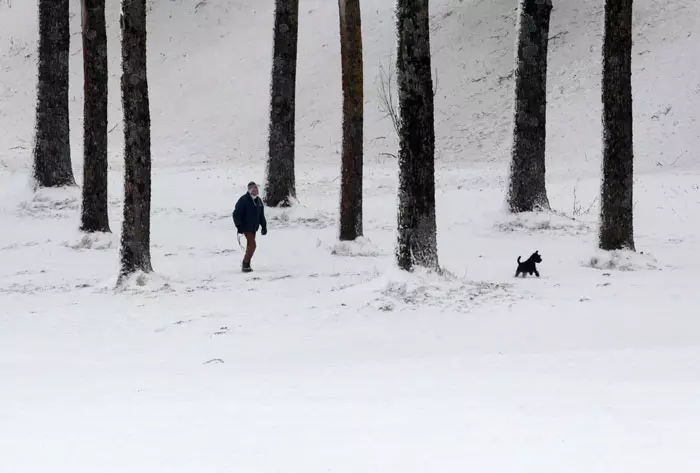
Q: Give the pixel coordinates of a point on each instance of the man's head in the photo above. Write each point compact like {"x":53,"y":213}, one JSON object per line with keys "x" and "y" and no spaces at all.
{"x":253,"y":189}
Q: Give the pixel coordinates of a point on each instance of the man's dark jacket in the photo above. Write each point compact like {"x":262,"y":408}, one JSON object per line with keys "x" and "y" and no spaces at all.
{"x":249,"y":215}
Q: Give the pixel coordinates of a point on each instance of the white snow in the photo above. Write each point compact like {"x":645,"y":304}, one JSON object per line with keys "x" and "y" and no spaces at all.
{"x":327,"y":358}
{"x":622,"y":260}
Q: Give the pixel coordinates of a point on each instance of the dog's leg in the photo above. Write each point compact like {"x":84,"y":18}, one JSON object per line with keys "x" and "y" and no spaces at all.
{"x":537,"y":273}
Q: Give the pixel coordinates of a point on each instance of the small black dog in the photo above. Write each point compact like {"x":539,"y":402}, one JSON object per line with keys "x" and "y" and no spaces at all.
{"x":528,"y":266}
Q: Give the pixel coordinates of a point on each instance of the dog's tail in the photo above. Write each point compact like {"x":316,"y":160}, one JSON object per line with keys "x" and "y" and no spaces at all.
{"x":518,"y":259}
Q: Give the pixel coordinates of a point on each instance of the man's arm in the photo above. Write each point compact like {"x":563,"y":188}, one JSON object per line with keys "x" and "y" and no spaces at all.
{"x":263,"y":220}
{"x":238,"y":214}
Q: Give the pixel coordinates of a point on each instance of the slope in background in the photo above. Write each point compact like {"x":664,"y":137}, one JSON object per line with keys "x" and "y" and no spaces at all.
{"x":210,"y":64}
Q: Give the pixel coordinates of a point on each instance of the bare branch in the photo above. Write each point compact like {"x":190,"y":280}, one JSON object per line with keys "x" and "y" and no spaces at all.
{"x":386,"y":94}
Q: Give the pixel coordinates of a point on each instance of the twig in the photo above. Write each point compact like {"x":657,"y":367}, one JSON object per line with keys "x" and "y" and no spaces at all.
{"x":386,"y":96}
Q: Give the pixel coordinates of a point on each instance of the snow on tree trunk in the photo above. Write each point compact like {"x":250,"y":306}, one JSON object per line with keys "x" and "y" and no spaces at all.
{"x":616,"y":210}
{"x":94,"y":216}
{"x":353,"y":102}
{"x":280,"y":186}
{"x":527,"y":191}
{"x":52,"y":159}
{"x":417,"y":231}
{"x":136,"y":228}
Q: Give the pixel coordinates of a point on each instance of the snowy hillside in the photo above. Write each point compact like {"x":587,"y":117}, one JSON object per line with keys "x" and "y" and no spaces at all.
{"x":326,"y":358}
{"x":210,"y":66}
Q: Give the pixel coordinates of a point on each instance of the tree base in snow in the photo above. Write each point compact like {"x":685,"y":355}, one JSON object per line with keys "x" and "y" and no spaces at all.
{"x":622,"y":260}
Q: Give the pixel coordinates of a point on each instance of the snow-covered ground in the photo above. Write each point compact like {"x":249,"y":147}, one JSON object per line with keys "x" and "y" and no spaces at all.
{"x":327,"y":358}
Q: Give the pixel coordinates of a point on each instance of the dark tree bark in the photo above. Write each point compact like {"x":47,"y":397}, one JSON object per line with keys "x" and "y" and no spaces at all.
{"x":94,"y":213}
{"x":417,"y":230}
{"x":52,"y":159}
{"x":616,"y":210}
{"x":280,"y":186}
{"x":353,"y":116}
{"x":527,"y":191}
{"x":136,"y":228}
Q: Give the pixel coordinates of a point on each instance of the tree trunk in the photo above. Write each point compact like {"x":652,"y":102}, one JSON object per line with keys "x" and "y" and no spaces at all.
{"x":52,"y":160}
{"x":616,"y":210}
{"x":280,"y":186}
{"x":94,"y":213}
{"x":136,"y":228}
{"x":353,"y":103}
{"x":527,"y":190}
{"x":417,"y":230}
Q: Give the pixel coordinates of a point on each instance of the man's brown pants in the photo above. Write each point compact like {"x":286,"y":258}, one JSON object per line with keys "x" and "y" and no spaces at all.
{"x":250,"y":247}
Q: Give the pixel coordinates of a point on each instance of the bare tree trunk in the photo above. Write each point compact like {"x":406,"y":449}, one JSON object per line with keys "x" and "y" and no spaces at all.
{"x":52,"y":159}
{"x":280,"y":186}
{"x":417,"y":229}
{"x":353,"y":115}
{"x":136,"y":228}
{"x":527,"y":190}
{"x":616,"y":210}
{"x":95,"y":204}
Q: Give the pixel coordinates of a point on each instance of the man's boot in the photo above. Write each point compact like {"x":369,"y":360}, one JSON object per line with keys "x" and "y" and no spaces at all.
{"x":246,"y":267}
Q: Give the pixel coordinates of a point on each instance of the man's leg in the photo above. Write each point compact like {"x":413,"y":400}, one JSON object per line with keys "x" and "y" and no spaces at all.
{"x":249,"y":249}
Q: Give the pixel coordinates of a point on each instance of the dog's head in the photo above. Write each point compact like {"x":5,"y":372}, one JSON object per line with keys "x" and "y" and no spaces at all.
{"x":535,"y":257}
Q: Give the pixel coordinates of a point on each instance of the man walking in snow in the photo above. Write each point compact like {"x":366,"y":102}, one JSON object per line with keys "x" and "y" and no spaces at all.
{"x":248,"y":216}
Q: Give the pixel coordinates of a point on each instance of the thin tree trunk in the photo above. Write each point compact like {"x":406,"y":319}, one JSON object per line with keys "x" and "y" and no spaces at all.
{"x":94,"y":213}
{"x":616,"y":210}
{"x":527,"y":190}
{"x":280,"y":186}
{"x":353,"y":103}
{"x":417,"y":229}
{"x":52,"y":159}
{"x":136,"y":228}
